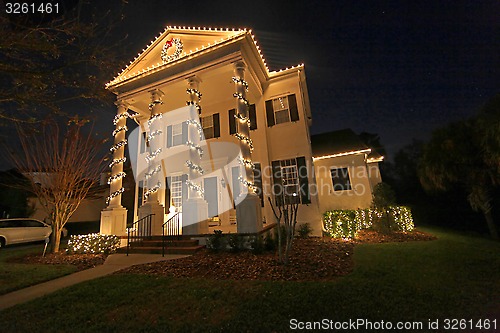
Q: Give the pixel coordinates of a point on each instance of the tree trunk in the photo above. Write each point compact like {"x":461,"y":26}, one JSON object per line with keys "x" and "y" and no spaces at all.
{"x":57,"y":241}
{"x":491,"y":224}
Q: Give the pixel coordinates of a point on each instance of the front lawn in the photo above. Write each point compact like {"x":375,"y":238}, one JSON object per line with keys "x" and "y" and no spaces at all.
{"x":452,"y":277}
{"x":15,"y":275}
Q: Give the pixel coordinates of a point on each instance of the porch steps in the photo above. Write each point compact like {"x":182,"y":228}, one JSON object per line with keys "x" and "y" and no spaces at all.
{"x":154,"y":246}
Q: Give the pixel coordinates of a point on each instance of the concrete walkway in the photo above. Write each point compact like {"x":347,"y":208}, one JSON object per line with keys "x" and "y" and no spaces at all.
{"x":113,"y":263}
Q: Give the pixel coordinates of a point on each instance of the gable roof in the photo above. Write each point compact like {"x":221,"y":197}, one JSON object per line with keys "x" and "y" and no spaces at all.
{"x":337,"y":143}
{"x":195,"y":40}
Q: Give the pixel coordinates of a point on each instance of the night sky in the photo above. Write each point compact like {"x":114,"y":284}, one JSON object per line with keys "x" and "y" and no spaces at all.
{"x":396,"y":68}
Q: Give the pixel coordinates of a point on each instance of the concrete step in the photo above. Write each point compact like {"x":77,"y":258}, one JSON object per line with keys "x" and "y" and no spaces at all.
{"x":158,"y":249}
{"x":168,"y":243}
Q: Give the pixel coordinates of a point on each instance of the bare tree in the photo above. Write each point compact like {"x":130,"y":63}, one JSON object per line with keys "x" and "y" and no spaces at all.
{"x":287,"y":212}
{"x":61,"y":168}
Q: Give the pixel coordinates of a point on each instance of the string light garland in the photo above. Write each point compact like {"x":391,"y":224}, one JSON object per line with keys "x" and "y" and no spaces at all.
{"x":196,"y":105}
{"x":195,"y":167}
{"x":193,"y":145}
{"x":198,"y":126}
{"x":247,"y":183}
{"x":118,"y":145}
{"x":153,"y":134}
{"x":152,"y":156}
{"x":114,"y":194}
{"x":177,"y":53}
{"x":119,"y":129}
{"x":242,"y":119}
{"x":195,"y":187}
{"x":246,"y":162}
{"x":123,"y":115}
{"x":117,"y":161}
{"x":152,"y":172}
{"x":241,"y":81}
{"x":154,"y":117}
{"x":152,"y":190}
{"x":194,"y":91}
{"x":197,"y":93}
{"x":245,"y":139}
{"x":117,"y":176}
{"x":241,"y":98}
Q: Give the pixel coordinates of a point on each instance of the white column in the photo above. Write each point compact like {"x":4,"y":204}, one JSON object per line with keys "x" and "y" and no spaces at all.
{"x":248,"y":211}
{"x":195,"y":209}
{"x":114,"y":216}
{"x":155,"y":176}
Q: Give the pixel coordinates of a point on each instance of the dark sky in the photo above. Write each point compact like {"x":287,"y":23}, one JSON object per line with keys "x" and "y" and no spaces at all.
{"x":396,"y":68}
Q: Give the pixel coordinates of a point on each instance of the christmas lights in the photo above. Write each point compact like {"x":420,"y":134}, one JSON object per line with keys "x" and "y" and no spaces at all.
{"x":152,"y":172}
{"x":153,"y":134}
{"x":198,"y":126}
{"x":242,"y":119}
{"x":195,"y":187}
{"x":240,"y":97}
{"x":119,"y":129}
{"x":241,"y":81}
{"x":118,"y":145}
{"x":152,"y":190}
{"x":193,"y":145}
{"x":117,"y":161}
{"x":93,"y":243}
{"x":196,"y":105}
{"x":246,"y":163}
{"x":114,"y":177}
{"x":154,"y":117}
{"x":195,"y":167}
{"x":178,"y":50}
{"x":245,"y":139}
{"x":194,"y":91}
{"x":114,"y":194}
{"x":247,"y":183}
{"x":151,"y":156}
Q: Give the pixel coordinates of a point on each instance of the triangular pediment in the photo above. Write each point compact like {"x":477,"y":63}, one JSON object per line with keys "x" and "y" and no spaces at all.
{"x":190,"y":40}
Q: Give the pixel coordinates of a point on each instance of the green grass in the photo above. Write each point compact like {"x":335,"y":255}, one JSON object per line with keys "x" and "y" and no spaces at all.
{"x":14,"y":276}
{"x":453,"y":277}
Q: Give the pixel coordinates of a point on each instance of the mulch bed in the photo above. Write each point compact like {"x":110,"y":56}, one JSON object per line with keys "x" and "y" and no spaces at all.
{"x":81,"y":261}
{"x":313,"y":259}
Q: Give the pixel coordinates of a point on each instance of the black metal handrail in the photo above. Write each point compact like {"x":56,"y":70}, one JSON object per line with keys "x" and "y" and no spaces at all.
{"x":139,"y":230}
{"x":170,"y":228}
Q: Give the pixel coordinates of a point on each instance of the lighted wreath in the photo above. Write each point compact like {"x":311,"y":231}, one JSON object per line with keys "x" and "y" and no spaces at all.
{"x":178,"y":50}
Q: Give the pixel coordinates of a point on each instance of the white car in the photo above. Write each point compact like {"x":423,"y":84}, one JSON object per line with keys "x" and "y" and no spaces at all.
{"x":23,"y":230}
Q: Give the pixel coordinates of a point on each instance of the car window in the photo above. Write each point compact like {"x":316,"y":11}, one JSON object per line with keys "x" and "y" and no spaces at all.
{"x":32,"y":223}
{"x":5,"y":224}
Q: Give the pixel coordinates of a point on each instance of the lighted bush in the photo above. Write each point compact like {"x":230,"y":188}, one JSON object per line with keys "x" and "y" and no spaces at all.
{"x":93,"y":243}
{"x":346,"y":223}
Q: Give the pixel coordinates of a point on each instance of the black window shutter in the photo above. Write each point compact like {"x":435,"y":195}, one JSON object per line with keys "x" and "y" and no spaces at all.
{"x":277,"y":183}
{"x":232,"y":121}
{"x":167,"y":192}
{"x":269,"y":113}
{"x":185,"y":132}
{"x":252,"y":115}
{"x":292,"y":105}
{"x":184,"y":189}
{"x":303,"y":180}
{"x":257,"y":180}
{"x":143,"y":142}
{"x":169,"y":136}
{"x":216,"y":125}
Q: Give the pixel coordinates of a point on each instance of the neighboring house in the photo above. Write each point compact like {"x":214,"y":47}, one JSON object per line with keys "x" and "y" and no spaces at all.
{"x":223,"y":78}
{"x":346,"y":170}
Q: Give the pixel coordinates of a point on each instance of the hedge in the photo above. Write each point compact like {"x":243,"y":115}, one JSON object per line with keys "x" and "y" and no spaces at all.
{"x":347,"y":223}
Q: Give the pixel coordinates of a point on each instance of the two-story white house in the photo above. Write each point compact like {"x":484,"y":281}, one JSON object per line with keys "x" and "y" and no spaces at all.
{"x":255,"y":141}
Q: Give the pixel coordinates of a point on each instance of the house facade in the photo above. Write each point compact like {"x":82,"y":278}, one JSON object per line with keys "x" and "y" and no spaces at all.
{"x":346,"y":170}
{"x":220,"y":137}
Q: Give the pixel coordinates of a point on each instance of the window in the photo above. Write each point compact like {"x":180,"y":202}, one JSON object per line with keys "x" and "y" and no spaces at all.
{"x":208,"y":126}
{"x":340,"y":179}
{"x":211,"y":126}
{"x":282,"y":110}
{"x":257,"y":180}
{"x":176,"y":190}
{"x":281,"y":113}
{"x":177,"y":134}
{"x":291,"y":184}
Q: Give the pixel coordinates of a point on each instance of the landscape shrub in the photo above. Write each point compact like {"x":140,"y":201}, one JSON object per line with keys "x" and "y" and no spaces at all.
{"x":93,"y":243}
{"x":304,"y":230}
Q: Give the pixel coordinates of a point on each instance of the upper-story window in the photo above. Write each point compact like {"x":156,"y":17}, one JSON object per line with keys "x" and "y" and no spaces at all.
{"x":282,"y":110}
{"x":252,"y":116}
{"x":211,"y":126}
{"x":177,"y":134}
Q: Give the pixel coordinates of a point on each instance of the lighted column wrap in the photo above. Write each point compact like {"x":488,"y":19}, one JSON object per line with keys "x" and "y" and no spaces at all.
{"x":115,"y":180}
{"x":153,"y":178}
{"x":243,"y":124}
{"x":194,"y":135}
